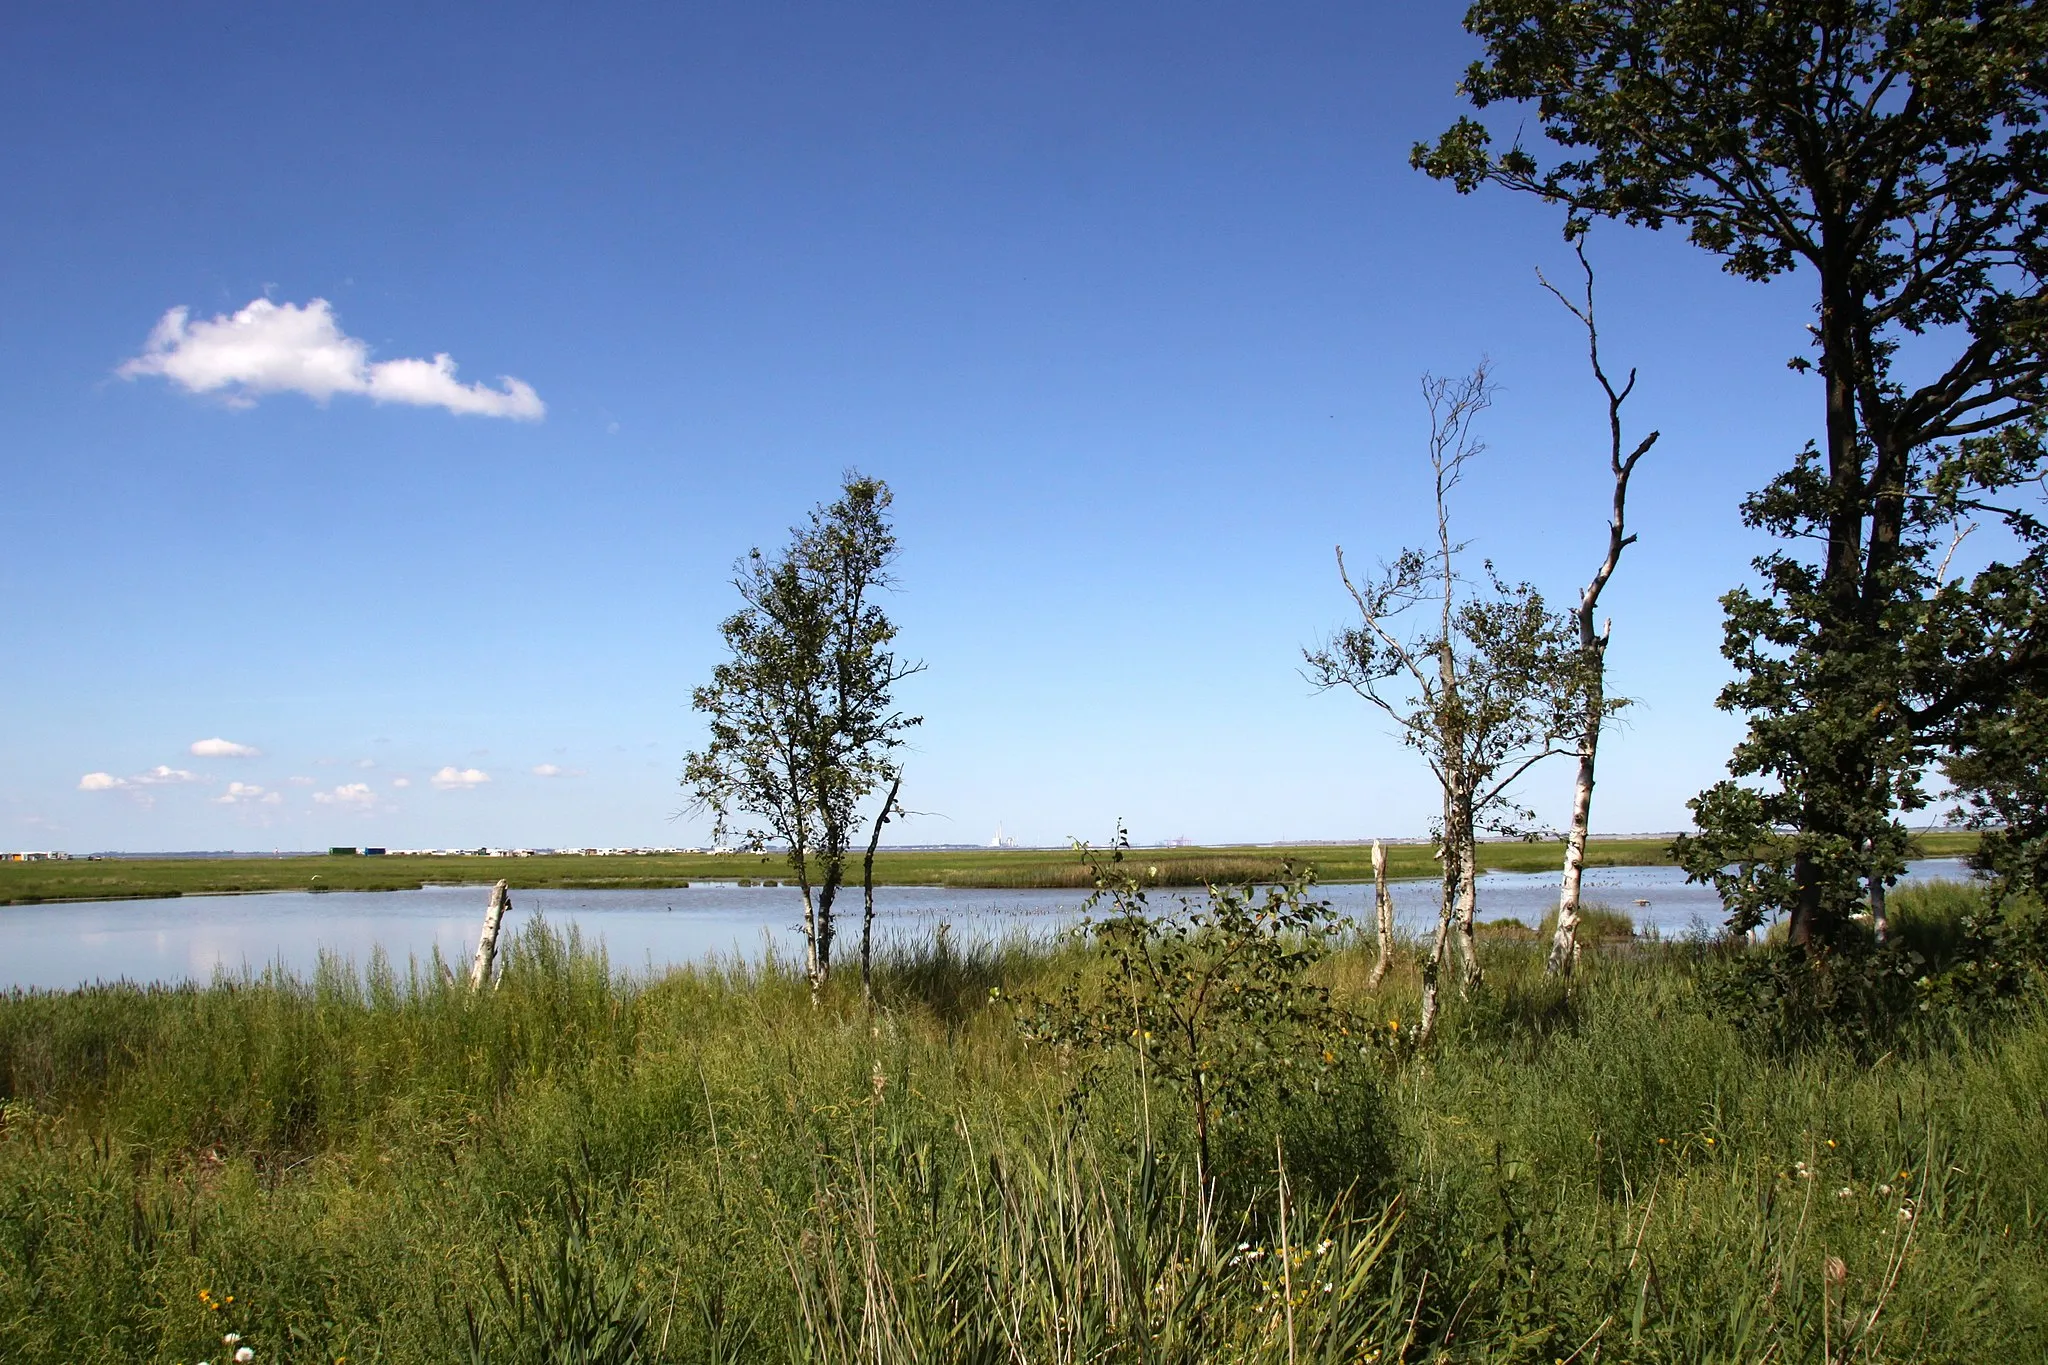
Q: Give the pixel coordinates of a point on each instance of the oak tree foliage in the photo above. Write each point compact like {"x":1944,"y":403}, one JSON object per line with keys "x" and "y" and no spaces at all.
{"x":1890,"y":156}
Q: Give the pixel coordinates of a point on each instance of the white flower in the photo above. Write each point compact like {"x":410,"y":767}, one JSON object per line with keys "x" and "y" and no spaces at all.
{"x":231,"y":1339}
{"x":1845,"y":1193}
{"x":244,"y":1355}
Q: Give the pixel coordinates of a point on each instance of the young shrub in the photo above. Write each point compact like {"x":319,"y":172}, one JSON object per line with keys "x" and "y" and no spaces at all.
{"x":1213,"y":1000}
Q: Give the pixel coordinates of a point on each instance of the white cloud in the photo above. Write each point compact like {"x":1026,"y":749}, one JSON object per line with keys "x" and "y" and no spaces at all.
{"x":401,"y":782}
{"x":285,"y":348}
{"x":354,"y":794}
{"x":223,"y":748}
{"x":555,"y":770}
{"x":161,"y":775}
{"x":303,"y":781}
{"x":452,"y":778}
{"x":100,"y":782}
{"x":243,"y":793}
{"x":366,"y":763}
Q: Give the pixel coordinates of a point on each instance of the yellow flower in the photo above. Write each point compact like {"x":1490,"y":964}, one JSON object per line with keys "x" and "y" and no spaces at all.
{"x":1394,"y":1025}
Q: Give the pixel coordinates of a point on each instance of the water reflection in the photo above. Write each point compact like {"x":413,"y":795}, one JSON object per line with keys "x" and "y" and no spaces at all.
{"x":190,"y":938}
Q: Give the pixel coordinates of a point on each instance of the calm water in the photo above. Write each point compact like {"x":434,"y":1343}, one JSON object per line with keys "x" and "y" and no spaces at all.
{"x":193,"y":937}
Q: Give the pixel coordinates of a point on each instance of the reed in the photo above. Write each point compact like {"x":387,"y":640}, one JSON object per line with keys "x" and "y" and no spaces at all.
{"x":374,"y":1163}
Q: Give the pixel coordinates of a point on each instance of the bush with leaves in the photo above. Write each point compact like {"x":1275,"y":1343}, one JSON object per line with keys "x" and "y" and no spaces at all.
{"x":1967,"y":959}
{"x":1213,"y":999}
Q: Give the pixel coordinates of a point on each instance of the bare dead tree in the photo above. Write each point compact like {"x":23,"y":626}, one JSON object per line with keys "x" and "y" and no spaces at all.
{"x":1591,"y":662}
{"x":487,"y":941}
{"x":1383,"y":915}
{"x":1484,"y":691}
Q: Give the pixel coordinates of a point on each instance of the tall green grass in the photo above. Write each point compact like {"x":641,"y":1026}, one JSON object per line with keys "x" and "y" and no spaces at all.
{"x":377,"y":1165}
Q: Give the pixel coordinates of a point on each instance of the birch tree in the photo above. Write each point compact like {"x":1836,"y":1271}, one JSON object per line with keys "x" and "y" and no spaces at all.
{"x":802,"y":715}
{"x":1484,"y":685}
{"x":1596,"y":705}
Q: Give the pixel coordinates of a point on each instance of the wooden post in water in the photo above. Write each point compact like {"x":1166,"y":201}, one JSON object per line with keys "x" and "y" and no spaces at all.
{"x":1383,"y":910}
{"x":487,"y":942}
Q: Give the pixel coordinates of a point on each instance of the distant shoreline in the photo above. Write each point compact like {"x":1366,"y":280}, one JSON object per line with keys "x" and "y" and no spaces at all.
{"x":161,"y":877}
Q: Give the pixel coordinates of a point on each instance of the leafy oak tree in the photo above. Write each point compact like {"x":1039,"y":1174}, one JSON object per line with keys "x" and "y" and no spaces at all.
{"x":802,"y":717}
{"x":1890,"y":156}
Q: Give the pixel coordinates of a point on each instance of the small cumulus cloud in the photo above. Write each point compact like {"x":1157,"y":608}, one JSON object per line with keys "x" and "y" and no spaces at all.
{"x":354,"y":794}
{"x":366,"y":763}
{"x":223,"y":748}
{"x":159,"y":776}
{"x":452,"y":778}
{"x":556,"y":770}
{"x":288,"y":348}
{"x":401,"y":782}
{"x":303,"y":781}
{"x":248,"y":793}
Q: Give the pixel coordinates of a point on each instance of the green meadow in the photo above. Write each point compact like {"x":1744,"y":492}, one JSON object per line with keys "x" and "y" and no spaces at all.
{"x":125,"y":878}
{"x":708,"y":1166}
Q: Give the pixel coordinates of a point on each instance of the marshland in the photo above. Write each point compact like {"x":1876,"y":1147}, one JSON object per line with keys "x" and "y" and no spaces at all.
{"x":707,"y":1164}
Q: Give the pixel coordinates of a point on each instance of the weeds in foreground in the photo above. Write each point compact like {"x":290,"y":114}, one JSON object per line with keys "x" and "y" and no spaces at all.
{"x":702,"y":1167}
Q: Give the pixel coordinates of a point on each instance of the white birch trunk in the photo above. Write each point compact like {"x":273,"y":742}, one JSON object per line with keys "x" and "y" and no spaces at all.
{"x":1383,"y":914}
{"x":1564,"y":941}
{"x":1879,"y":925}
{"x":487,"y":942}
{"x":1468,"y":906}
{"x":814,"y":969}
{"x":1433,"y":965}
{"x":1432,"y":976}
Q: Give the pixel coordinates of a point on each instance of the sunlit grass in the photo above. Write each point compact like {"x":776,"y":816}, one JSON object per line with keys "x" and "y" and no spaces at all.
{"x":706,"y":1166}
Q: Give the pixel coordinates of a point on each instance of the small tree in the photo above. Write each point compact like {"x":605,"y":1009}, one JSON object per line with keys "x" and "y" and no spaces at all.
{"x":1486,"y":689}
{"x":1214,"y":998}
{"x":802,"y":716}
{"x":1595,"y":705}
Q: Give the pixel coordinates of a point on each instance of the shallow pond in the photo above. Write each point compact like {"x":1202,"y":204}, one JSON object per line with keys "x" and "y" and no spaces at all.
{"x":193,"y":937}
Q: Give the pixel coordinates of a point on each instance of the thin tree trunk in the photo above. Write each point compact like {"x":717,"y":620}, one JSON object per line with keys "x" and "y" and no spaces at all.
{"x":1432,"y":976}
{"x":487,"y":942}
{"x":867,"y":889}
{"x":1447,"y":900}
{"x":1383,"y":914}
{"x":814,"y":970}
{"x":1880,"y":925}
{"x":1468,"y":906}
{"x":1564,"y":943}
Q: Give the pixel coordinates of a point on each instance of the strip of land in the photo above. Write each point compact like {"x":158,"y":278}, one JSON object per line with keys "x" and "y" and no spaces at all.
{"x":136,"y":878}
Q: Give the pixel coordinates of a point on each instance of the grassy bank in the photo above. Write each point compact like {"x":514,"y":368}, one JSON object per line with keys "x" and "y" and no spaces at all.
{"x":29,"y":883}
{"x":711,"y":1168}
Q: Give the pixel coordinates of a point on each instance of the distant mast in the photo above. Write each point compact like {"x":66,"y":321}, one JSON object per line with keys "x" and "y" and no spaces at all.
{"x":1002,"y":840}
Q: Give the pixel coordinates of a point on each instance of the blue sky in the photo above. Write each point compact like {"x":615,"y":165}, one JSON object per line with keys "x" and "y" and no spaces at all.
{"x":1128,"y":303}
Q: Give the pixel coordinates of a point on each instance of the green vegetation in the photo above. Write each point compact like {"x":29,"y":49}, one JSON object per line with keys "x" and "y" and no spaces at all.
{"x":705,"y":1167}
{"x":28,"y":883}
{"x":1885,"y":158}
